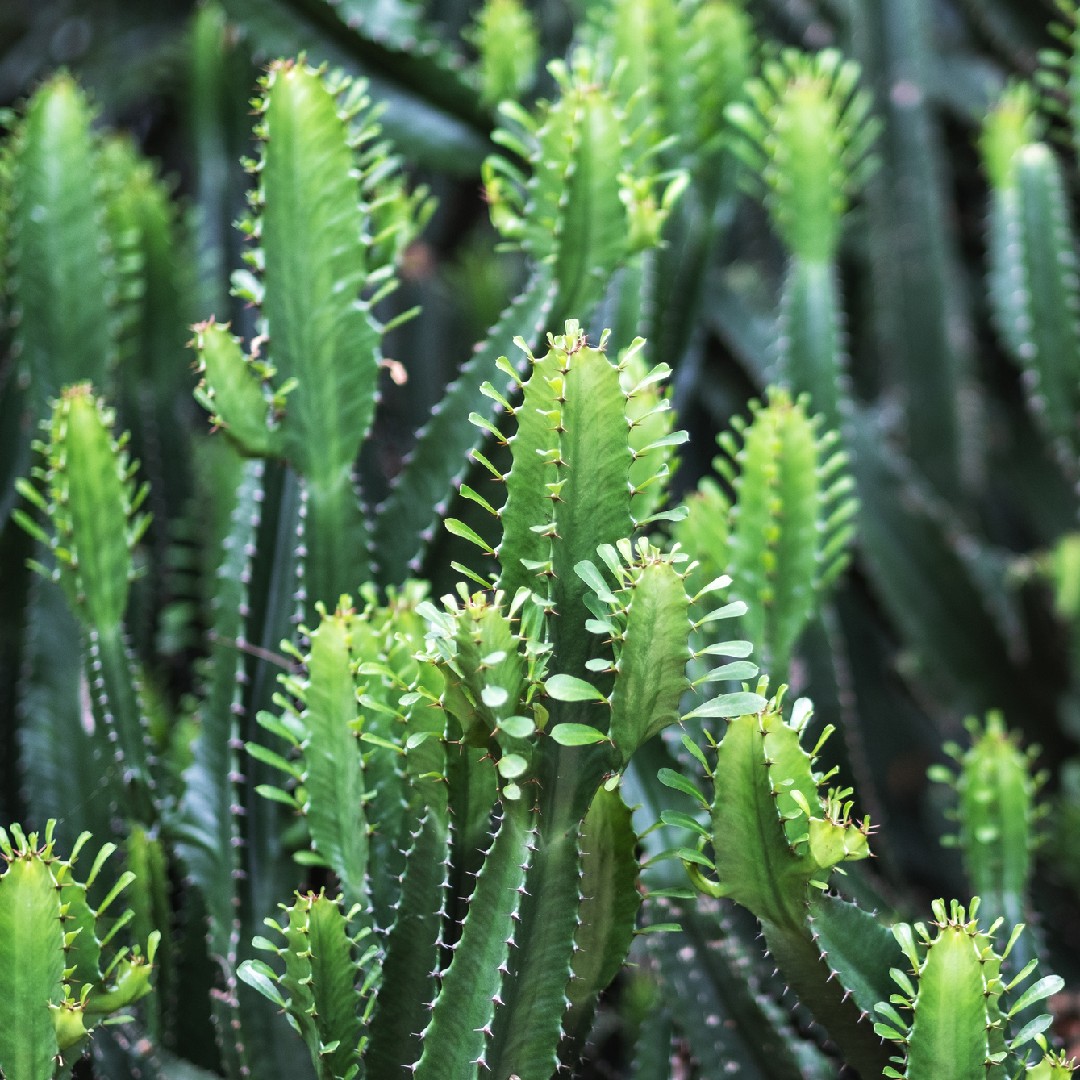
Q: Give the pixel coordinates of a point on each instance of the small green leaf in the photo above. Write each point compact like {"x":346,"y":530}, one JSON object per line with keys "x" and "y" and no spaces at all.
{"x":728,"y":705}
{"x":386,"y":744}
{"x":268,"y":791}
{"x":736,"y":671}
{"x":474,"y":496}
{"x":670,"y":778}
{"x":595,"y":580}
{"x":683,"y":821}
{"x":459,"y":528}
{"x":727,"y":648}
{"x":695,"y":752}
{"x":276,"y":761}
{"x":1049,"y":984}
{"x":577,"y":735}
{"x":728,"y":611}
{"x":1028,"y":1032}
{"x":494,"y":696}
{"x":568,"y":688}
{"x":511,"y":766}
{"x":517,"y":727}
{"x":692,"y":855}
{"x":261,"y":977}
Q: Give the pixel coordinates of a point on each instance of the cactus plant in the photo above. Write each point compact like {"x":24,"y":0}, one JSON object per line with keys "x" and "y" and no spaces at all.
{"x":62,"y":986}
{"x":557,"y":676}
{"x":414,"y":674}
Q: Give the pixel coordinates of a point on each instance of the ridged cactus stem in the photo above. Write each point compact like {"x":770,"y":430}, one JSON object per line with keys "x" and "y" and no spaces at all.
{"x":923,"y":331}
{"x":334,"y":539}
{"x":807,"y":972}
{"x":62,"y":274}
{"x":1033,"y":279}
{"x":955,"y":1023}
{"x":321,"y":267}
{"x":804,"y":134}
{"x":468,"y":1002}
{"x":408,"y":975}
{"x":608,"y":914}
{"x":529,"y":1026}
{"x":775,"y":837}
{"x":324,"y":985}
{"x":997,"y":817}
{"x":784,"y":538}
{"x":53,"y":951}
{"x":115,"y":697}
{"x":593,"y":200}
{"x":547,"y":680}
{"x":506,"y":38}
{"x":332,"y":778}
{"x":810,"y":347}
{"x":210,"y":843}
{"x":92,"y":504}
{"x":32,"y":951}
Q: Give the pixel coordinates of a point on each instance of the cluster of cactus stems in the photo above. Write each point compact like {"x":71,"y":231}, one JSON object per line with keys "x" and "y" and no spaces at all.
{"x":424,"y":833}
{"x":62,"y":980}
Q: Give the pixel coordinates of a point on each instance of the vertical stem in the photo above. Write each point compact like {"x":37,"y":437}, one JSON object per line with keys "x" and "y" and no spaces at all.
{"x":923,"y":333}
{"x":116,"y":705}
{"x":811,"y":347}
{"x":808,"y":975}
{"x":529,"y":1026}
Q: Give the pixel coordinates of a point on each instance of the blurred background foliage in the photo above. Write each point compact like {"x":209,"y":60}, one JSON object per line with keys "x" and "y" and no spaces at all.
{"x":964,"y":593}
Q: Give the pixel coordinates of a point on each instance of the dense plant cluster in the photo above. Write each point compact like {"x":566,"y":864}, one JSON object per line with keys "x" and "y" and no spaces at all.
{"x":581,"y":580}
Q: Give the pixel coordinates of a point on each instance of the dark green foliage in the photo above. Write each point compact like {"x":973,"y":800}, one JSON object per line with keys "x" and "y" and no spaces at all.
{"x":398,"y":613}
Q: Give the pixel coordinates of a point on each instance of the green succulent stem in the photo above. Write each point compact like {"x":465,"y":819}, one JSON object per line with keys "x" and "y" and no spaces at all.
{"x":425,"y":702}
{"x":63,"y":273}
{"x":465,"y":1010}
{"x":956,"y":1020}
{"x":998,"y":816}
{"x":118,"y":709}
{"x":774,"y":838}
{"x":811,"y":351}
{"x":783,"y":535}
{"x":806,"y":971}
{"x":52,"y":944}
{"x":93,"y":524}
{"x":1033,"y":276}
{"x":925,"y":333}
